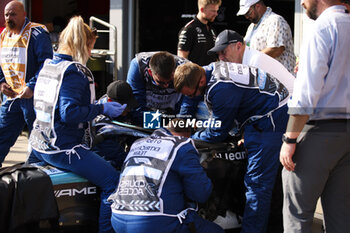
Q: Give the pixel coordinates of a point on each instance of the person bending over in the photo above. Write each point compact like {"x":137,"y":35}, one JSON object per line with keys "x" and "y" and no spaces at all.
{"x":151,"y":77}
{"x":160,"y":175}
{"x":243,"y":96}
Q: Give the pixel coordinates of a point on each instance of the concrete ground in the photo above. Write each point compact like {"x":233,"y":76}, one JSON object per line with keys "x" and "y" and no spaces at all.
{"x":18,"y":154}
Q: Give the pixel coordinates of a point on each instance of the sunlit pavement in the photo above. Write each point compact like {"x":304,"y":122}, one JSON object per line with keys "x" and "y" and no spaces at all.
{"x":18,"y":152}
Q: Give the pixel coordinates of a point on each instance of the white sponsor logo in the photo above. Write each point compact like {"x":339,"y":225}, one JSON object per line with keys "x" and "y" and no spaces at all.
{"x":240,"y":155}
{"x":74,"y":192}
{"x":212,"y":123}
{"x":133,"y":188}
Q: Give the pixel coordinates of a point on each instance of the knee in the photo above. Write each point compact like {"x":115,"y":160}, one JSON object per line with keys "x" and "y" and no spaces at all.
{"x":111,"y":183}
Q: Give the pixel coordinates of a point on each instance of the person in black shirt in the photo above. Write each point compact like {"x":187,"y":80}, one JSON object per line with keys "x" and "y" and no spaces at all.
{"x":197,"y":36}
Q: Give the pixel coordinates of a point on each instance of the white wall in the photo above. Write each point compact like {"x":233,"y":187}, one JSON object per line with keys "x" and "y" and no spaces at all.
{"x":122,"y":16}
{"x":116,"y":18}
{"x":302,"y":25}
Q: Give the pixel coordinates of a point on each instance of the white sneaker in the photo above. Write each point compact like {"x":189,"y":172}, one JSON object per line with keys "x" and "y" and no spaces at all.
{"x":231,"y":221}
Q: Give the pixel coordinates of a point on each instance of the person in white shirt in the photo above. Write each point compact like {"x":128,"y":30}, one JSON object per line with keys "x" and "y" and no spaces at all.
{"x":230,"y":47}
{"x":268,"y":32}
{"x":316,"y":150}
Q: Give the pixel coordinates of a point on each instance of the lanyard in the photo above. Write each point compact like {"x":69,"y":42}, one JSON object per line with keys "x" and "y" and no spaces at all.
{"x":255,"y":27}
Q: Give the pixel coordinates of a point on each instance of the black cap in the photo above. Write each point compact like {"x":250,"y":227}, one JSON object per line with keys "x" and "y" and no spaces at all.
{"x":225,"y":38}
{"x":121,"y":92}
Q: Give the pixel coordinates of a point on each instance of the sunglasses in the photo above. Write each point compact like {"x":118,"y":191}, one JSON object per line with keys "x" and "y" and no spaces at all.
{"x":155,"y":79}
{"x":250,"y":11}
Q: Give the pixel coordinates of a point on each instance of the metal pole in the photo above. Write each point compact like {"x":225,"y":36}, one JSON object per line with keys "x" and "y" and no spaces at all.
{"x":114,"y":38}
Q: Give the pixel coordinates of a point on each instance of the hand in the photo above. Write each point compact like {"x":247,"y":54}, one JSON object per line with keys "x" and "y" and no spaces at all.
{"x":7,"y":90}
{"x":113,"y":109}
{"x":26,"y":93}
{"x":296,"y":67}
{"x":286,"y":154}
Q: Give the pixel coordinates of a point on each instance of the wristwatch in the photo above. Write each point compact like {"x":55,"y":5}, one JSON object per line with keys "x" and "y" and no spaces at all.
{"x":288,"y":140}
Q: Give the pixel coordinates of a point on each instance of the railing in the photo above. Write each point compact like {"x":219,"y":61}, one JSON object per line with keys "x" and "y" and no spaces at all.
{"x":109,"y":51}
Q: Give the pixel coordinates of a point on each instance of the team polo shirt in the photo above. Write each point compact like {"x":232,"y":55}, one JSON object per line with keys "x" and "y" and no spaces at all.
{"x":197,"y":38}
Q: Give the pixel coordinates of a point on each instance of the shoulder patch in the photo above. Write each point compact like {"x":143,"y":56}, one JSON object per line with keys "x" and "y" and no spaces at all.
{"x":37,"y":30}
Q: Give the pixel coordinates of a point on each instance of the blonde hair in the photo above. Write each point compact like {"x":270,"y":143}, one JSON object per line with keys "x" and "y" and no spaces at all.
{"x":187,"y":75}
{"x":76,"y":38}
{"x":204,"y":3}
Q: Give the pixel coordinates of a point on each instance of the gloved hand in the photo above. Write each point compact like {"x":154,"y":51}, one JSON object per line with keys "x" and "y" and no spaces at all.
{"x":113,"y":109}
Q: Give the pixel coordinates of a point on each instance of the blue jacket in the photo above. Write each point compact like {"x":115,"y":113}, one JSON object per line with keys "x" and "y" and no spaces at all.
{"x":73,"y":109}
{"x":39,"y":49}
{"x":231,"y":103}
{"x":137,"y":81}
{"x":186,"y":180}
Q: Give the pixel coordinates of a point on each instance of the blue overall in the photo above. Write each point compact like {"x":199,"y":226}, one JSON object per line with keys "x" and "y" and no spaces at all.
{"x":185,"y":178}
{"x":14,"y":114}
{"x":262,"y":139}
{"x":143,"y":85}
{"x":72,"y":111}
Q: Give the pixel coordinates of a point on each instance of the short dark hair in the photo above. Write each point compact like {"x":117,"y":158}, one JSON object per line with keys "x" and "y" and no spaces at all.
{"x":163,"y":64}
